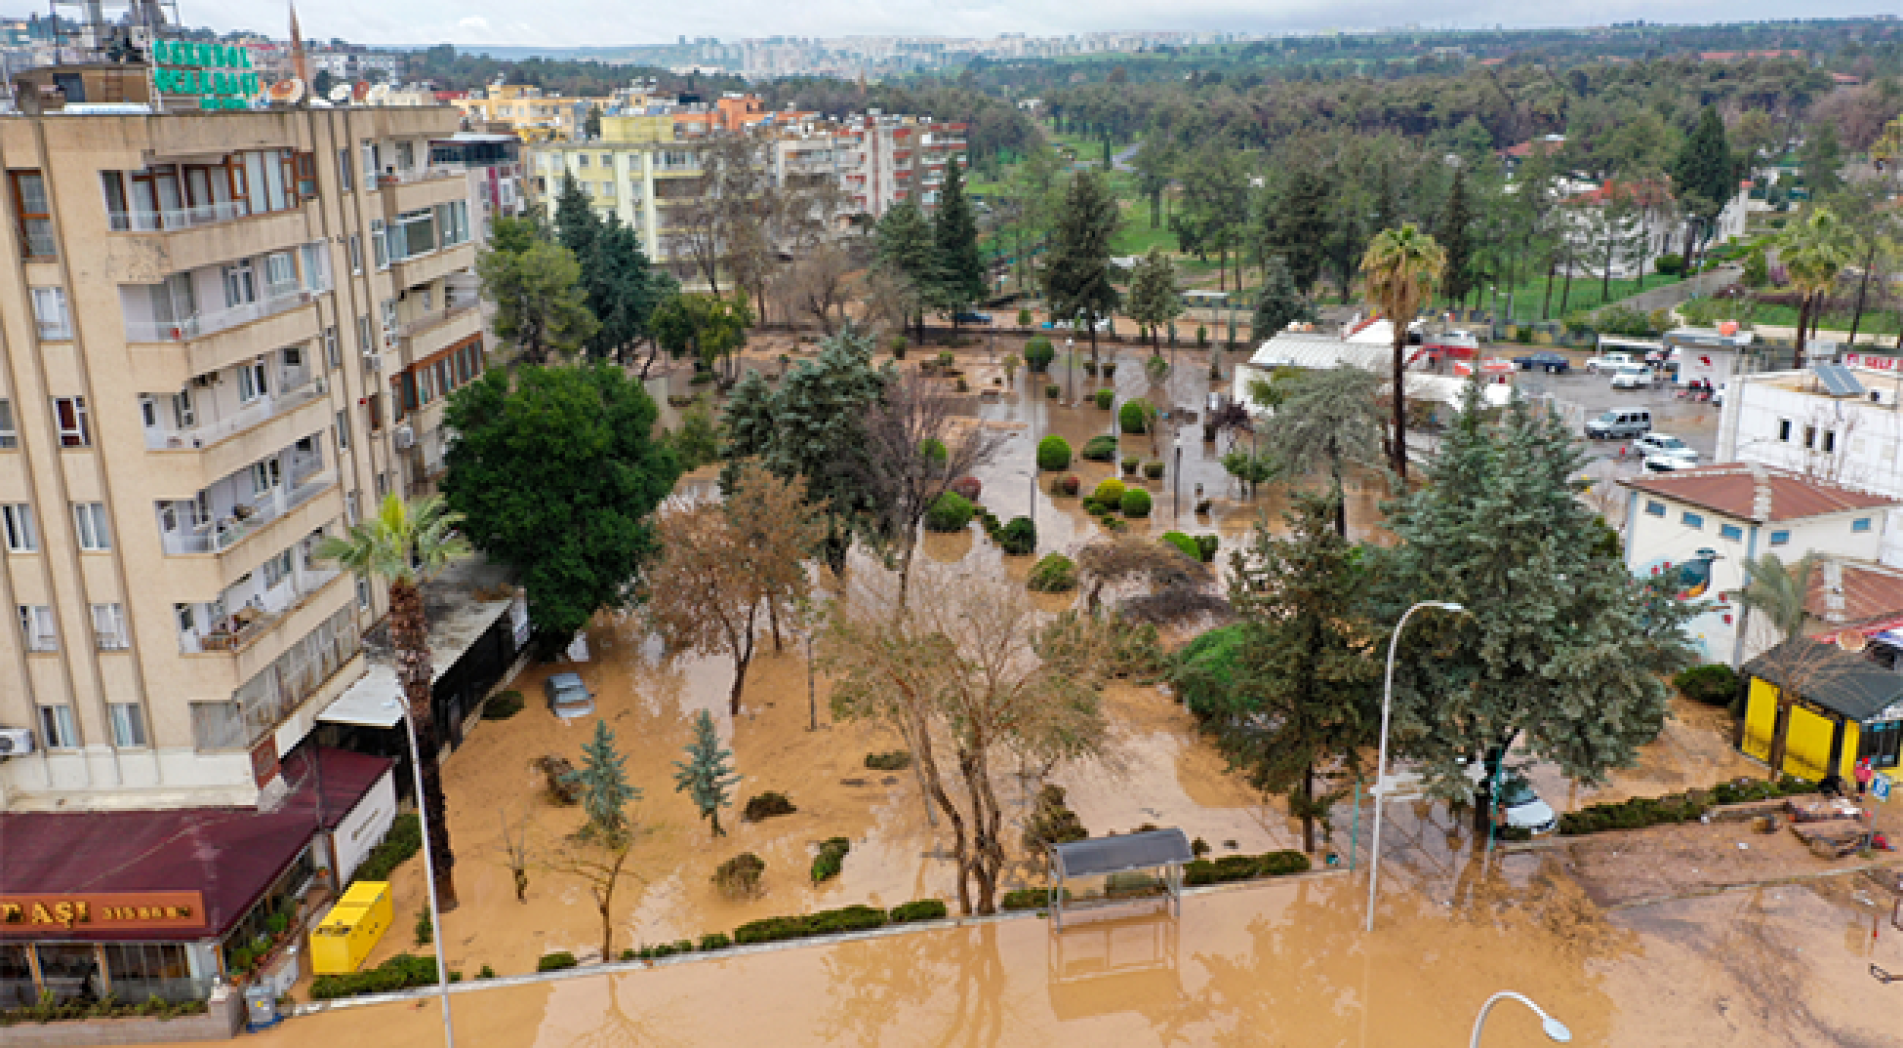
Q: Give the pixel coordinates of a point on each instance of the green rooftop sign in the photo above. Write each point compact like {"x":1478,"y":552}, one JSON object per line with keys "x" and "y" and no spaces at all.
{"x":218,"y":75}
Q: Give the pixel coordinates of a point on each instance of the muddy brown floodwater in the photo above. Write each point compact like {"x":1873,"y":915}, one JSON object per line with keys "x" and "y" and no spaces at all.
{"x":1279,"y":964}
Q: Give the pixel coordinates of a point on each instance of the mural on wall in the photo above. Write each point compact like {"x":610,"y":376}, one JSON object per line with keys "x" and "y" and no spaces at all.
{"x":1712,"y":632}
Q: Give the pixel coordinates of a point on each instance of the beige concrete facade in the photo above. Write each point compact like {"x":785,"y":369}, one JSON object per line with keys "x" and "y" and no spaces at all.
{"x":223,"y":336}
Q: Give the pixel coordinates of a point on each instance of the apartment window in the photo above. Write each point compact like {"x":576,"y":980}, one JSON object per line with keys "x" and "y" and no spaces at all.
{"x":128,"y":724}
{"x":333,"y":352}
{"x":1784,"y":430}
{"x":1655,"y":509}
{"x":1732,"y":532}
{"x":75,"y":428}
{"x":265,"y":476}
{"x":363,"y":593}
{"x":373,"y":412}
{"x":356,"y":253}
{"x":345,"y":175}
{"x":378,"y":246}
{"x":388,"y":309}
{"x":383,"y":485}
{"x":1860,"y":524}
{"x":1780,"y":538}
{"x":95,"y":531}
{"x":252,"y":382}
{"x":49,"y":310}
{"x":36,"y":625}
{"x":581,"y":160}
{"x":241,"y":284}
{"x":183,"y":412}
{"x":109,"y":627}
{"x":363,"y":336}
{"x":343,"y":431}
{"x":1692,"y":520}
{"x":405,"y":156}
{"x":1810,"y":436}
{"x":277,"y":569}
{"x":305,"y":166}
{"x":350,"y":509}
{"x":9,"y":435}
{"x":36,"y":216}
{"x":370,"y":165}
{"x":57,"y":729}
{"x":414,"y":234}
{"x":280,"y":273}
{"x":453,"y":219}
{"x":1830,"y":441}
{"x":17,"y":519}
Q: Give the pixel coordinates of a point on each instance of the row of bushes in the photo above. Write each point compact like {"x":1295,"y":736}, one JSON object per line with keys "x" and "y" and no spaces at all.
{"x":402,"y":842}
{"x":1640,"y":812}
{"x":1245,"y":867}
{"x":1196,"y":547}
{"x":1112,"y":496}
{"x":824,"y":922}
{"x":49,"y":1010}
{"x":398,"y":973}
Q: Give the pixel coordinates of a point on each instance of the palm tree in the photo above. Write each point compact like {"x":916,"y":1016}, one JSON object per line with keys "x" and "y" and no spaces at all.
{"x":1814,"y":252}
{"x":406,"y":543}
{"x":1402,"y":266}
{"x":1779,"y":591}
{"x":1327,"y":420}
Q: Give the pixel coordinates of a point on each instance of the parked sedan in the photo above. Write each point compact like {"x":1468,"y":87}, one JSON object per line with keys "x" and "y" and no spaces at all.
{"x":1664,"y":445}
{"x":568,"y":697}
{"x":1522,"y":808}
{"x":1549,"y":362}
{"x":1632,"y":377}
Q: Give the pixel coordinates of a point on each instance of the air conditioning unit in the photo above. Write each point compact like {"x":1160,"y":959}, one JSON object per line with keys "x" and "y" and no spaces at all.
{"x":16,"y":742}
{"x":373,"y":361}
{"x":404,"y":437}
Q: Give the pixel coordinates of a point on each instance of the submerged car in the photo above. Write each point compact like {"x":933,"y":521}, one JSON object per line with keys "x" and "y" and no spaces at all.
{"x":568,"y":697}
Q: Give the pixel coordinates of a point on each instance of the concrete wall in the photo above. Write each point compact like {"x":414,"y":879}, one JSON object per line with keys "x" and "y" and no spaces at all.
{"x":221,"y":1022}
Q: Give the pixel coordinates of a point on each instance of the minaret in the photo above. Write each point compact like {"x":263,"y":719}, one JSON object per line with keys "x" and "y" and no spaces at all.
{"x":300,"y":66}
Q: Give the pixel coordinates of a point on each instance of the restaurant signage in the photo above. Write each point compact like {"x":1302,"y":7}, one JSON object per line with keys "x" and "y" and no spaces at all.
{"x":219,"y":76}
{"x":57,"y":912}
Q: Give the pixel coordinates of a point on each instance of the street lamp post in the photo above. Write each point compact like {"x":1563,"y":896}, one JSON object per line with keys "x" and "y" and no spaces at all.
{"x":1555,"y":1030}
{"x":812,"y":689}
{"x":1381,"y":762}
{"x":1176,"y":478}
{"x":1070,"y":371}
{"x":429,"y":868}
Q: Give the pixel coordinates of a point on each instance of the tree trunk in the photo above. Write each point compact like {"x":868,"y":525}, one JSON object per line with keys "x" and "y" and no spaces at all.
{"x":714,"y":816}
{"x":1308,"y":809}
{"x":1566,"y":295}
{"x":1803,"y":318}
{"x":1399,"y":448}
{"x":1546,"y":307}
{"x":409,"y":635}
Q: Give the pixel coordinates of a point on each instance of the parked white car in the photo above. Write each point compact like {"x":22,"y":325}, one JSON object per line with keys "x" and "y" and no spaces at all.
{"x":1610,"y":362}
{"x":1632,"y":376}
{"x":1523,"y":809}
{"x":1664,"y":445}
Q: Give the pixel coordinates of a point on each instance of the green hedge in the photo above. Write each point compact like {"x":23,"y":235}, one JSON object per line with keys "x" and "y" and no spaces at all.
{"x":1055,"y":573}
{"x":1017,"y":538}
{"x":1100,"y":448}
{"x":831,"y":858}
{"x":502,"y":705}
{"x":776,"y":929}
{"x":1245,"y":867}
{"x":398,"y":973}
{"x":1038,"y":354}
{"x":1182,"y":542}
{"x":951,"y":513}
{"x":1053,"y":453}
{"x":1136,"y":503}
{"x":1105,"y":397}
{"x":918,"y":910}
{"x":1714,"y":684}
{"x":402,"y":842}
{"x":1135,"y":416}
{"x":1029,"y":899}
{"x":1672,"y":808}
{"x":555,"y":962}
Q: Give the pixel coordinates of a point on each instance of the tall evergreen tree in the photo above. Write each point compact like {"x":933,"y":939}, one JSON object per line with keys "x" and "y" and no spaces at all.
{"x":958,"y":278}
{"x":534,"y":285}
{"x":1154,"y":300}
{"x":622,"y":290}
{"x":576,"y":222}
{"x":1822,"y":157}
{"x":1279,"y":304}
{"x":1298,"y":224}
{"x":903,"y":242}
{"x":1153,"y":162}
{"x":1327,"y":422}
{"x":1077,"y":267}
{"x":706,"y":776}
{"x":1304,"y":705}
{"x":1454,"y":233}
{"x":1560,"y":647}
{"x":1705,"y":176}
{"x":605,"y":790}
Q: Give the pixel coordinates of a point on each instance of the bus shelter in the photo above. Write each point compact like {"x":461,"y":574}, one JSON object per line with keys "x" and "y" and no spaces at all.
{"x":1161,"y":852}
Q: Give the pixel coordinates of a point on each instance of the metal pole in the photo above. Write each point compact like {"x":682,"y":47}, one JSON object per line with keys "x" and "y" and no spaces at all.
{"x":429,"y":872}
{"x":1354,"y":835}
{"x":1555,"y":1030}
{"x":1381,"y":761}
{"x":1176,"y":486}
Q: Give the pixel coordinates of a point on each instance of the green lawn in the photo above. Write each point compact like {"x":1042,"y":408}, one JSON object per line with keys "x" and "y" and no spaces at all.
{"x":1874,"y":322}
{"x":1529,"y":297}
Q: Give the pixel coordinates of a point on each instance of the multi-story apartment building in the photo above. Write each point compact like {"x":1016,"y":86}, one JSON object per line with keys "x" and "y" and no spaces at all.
{"x":526,"y":111}
{"x":882,"y":160}
{"x":226,"y":335}
{"x":638,"y":170}
{"x":494,"y":169}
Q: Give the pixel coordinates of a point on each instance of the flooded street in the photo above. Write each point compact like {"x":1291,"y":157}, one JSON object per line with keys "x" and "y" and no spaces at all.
{"x":1690,"y":958}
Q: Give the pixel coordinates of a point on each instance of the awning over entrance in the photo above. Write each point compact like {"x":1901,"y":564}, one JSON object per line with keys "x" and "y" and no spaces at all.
{"x":371,"y":702}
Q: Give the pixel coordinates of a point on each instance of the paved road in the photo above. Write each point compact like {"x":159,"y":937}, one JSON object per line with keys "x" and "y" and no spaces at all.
{"x":1674,"y":294}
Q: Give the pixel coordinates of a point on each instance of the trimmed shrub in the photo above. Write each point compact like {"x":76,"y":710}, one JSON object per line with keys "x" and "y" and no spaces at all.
{"x":1714,"y":684}
{"x":1055,"y":573}
{"x":402,"y":842}
{"x":1153,"y":469}
{"x":739,"y":875}
{"x":1105,"y":397}
{"x":555,"y":962}
{"x":1100,"y":448}
{"x":1205,"y":668}
{"x":1184,"y":543}
{"x":502,"y":705}
{"x":1670,"y":265}
{"x":486,"y":972}
{"x":766,"y":806}
{"x":1066,"y":487}
{"x":1135,"y":416}
{"x":898,"y":346}
{"x":1136,"y":503}
{"x":1206,"y":546}
{"x":897,"y":760}
{"x":1028,"y":899}
{"x":947,"y":359}
{"x":934,"y":450}
{"x":1109,"y":492}
{"x":398,"y":973}
{"x":714,"y":941}
{"x":1130,"y":464}
{"x":778,"y":929}
{"x":1024,"y":318}
{"x":1051,"y":391}
{"x":831,"y":858}
{"x":1038,"y":354}
{"x":1018,"y":538}
{"x":1053,"y":453}
{"x":968,"y":488}
{"x":951,"y":513}
{"x":918,"y":910}
{"x":1245,"y":867}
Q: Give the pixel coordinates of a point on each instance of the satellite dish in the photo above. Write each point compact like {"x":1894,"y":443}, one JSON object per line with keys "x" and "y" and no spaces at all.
{"x":377,"y":95}
{"x":358,"y":90}
{"x":340,"y":93}
{"x":285,"y":92}
{"x":1852,"y":641}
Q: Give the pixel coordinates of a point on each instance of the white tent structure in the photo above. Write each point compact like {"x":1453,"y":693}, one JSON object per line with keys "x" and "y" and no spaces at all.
{"x":1313,"y":351}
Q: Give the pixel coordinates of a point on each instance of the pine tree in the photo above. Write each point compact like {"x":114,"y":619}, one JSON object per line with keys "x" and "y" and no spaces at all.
{"x":1154,"y":300}
{"x":706,"y":776}
{"x":1299,"y":220}
{"x":576,"y":223}
{"x":1454,"y":233}
{"x":605,"y":791}
{"x":1077,"y":267}
{"x":1304,"y":704}
{"x":958,"y":278}
{"x":1705,"y":176}
{"x":904,"y":249}
{"x":1279,"y":303}
{"x":622,"y":290}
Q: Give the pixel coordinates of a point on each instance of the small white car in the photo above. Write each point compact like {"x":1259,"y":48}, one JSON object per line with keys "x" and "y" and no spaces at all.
{"x":1664,"y":445}
{"x":1632,"y":376}
{"x":1610,"y":362}
{"x":1667,"y":464}
{"x":1522,"y":809}
{"x":568,"y":696}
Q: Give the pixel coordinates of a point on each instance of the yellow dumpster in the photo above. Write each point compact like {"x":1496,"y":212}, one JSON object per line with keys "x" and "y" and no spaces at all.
{"x":351,"y":929}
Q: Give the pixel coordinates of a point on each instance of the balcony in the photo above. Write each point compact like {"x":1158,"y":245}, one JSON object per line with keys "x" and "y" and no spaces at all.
{"x":199,"y":325}
{"x":149,"y":244}
{"x":420,"y":188}
{"x":295,"y":388}
{"x":218,"y":340}
{"x":241,"y":628}
{"x":177,"y":218}
{"x":222,"y":533}
{"x":439,"y":330}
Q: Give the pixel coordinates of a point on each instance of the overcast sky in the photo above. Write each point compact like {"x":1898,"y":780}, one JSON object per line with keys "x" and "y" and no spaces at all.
{"x":571,"y":23}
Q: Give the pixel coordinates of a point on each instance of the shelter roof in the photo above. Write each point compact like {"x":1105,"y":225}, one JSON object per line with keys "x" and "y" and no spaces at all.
{"x":1846,"y":684}
{"x":1131,"y":851}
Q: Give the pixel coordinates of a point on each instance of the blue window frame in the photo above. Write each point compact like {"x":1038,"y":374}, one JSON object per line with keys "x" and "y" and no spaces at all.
{"x":1656,"y":509}
{"x":1860,"y":524}
{"x":1692,"y":520}
{"x":1732,"y":532}
{"x":1780,"y":538}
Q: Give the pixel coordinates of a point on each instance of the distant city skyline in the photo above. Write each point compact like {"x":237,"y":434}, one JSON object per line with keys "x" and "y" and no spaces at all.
{"x":472,"y":24}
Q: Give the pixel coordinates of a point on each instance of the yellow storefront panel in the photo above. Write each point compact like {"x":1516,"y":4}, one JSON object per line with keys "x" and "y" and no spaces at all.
{"x":1807,"y":744}
{"x":1847,"y":763}
{"x":1760,"y":719}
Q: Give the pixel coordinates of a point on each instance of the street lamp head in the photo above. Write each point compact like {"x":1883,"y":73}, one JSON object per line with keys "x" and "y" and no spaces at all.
{"x":1445,"y":605}
{"x":1556,"y":1031}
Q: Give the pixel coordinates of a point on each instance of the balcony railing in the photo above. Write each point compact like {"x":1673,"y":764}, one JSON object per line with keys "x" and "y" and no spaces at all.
{"x":178,"y":218}
{"x":416,"y":174}
{"x":199,"y":325}
{"x":222,"y":533}
{"x":456,"y":306}
{"x":295,"y":388}
{"x":236,"y":631}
